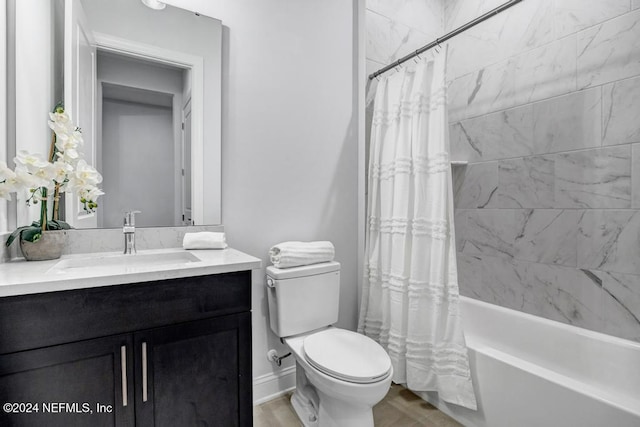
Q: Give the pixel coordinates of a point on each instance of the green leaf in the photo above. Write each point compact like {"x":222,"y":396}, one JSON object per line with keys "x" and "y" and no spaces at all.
{"x":31,"y":234}
{"x":64,"y":225}
{"x":53,"y":225}
{"x":57,"y":225}
{"x":16,"y":233}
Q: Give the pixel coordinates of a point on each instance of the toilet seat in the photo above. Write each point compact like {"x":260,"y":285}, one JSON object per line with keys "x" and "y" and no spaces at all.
{"x":347,"y":356}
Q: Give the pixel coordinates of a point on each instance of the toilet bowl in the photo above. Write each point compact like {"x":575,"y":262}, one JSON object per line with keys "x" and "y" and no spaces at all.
{"x":340,"y":374}
{"x":348,"y":380}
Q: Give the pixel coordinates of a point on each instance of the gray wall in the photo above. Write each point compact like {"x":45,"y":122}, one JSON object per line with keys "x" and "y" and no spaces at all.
{"x":290,"y":143}
{"x":137,"y":163}
{"x":545,"y":105}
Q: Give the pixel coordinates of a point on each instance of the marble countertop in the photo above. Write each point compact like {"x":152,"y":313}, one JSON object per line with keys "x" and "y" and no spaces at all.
{"x":31,"y":277}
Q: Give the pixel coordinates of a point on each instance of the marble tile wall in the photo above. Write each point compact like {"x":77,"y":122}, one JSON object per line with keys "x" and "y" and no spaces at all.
{"x":620,"y":112}
{"x":396,"y":28}
{"x":544,"y":104}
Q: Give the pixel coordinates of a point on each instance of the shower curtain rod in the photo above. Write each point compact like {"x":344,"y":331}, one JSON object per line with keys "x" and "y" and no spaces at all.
{"x":446,"y":37}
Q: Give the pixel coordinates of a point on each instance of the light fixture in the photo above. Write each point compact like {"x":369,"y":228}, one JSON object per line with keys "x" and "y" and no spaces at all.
{"x":154,"y":4}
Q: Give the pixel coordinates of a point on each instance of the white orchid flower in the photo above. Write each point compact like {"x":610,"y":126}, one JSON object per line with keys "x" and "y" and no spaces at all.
{"x":66,"y":171}
{"x":61,"y":123}
{"x":76,"y":137}
{"x":71,"y":139}
{"x":5,"y":192}
{"x":62,"y":170}
{"x":45,"y":175}
{"x":70,"y":157}
{"x":32,"y":162}
{"x":90,"y":193}
{"x":84,"y":176}
{"x":67,"y":148}
{"x":8,"y":181}
{"x":24,"y":179}
{"x":12,"y":180}
{"x":61,"y":128}
{"x":6,"y":174}
{"x":60,"y":117}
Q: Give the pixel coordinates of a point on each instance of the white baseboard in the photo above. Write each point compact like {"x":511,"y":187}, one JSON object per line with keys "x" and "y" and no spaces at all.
{"x":270,"y":386}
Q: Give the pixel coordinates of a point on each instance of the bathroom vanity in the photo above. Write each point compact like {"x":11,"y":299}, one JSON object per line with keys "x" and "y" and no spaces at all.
{"x":162,"y":346}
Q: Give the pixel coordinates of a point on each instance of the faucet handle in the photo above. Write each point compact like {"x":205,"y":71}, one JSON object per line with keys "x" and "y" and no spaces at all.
{"x":130,"y":218}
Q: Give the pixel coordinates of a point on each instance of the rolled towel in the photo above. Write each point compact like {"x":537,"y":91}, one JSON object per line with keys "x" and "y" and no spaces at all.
{"x":204,"y":240}
{"x":295,"y":254}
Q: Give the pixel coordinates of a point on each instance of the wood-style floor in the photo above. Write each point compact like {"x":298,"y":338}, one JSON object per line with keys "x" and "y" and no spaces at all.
{"x":400,"y":408}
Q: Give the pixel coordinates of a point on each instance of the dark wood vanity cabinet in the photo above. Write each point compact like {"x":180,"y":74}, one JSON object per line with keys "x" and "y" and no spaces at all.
{"x":38,"y":384}
{"x":167,"y":353}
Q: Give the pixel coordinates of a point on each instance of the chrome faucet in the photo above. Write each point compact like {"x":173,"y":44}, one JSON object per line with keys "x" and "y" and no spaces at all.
{"x":129,"y":231}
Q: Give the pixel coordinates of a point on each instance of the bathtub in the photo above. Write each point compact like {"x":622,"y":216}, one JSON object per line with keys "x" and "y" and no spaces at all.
{"x":531,"y":372}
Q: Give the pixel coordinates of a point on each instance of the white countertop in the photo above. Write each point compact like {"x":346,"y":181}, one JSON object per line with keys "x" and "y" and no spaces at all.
{"x":32,"y":277}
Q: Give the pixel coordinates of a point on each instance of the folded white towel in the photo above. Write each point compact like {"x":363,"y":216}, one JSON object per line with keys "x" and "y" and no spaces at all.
{"x":204,"y":240}
{"x":295,"y":254}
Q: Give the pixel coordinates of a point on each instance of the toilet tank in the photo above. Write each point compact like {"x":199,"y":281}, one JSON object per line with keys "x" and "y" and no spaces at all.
{"x":302,"y":299}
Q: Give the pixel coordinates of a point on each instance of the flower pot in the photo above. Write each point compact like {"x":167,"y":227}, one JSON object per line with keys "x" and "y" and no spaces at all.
{"x":49,"y":246}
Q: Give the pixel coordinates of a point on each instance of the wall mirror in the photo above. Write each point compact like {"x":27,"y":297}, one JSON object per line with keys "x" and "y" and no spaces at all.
{"x":144,"y":86}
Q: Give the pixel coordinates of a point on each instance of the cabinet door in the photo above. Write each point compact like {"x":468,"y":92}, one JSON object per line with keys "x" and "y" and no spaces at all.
{"x":195,"y":373}
{"x":77,"y":384}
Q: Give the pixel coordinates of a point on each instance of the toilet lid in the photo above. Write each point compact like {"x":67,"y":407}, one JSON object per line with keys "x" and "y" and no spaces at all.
{"x":347,"y":355}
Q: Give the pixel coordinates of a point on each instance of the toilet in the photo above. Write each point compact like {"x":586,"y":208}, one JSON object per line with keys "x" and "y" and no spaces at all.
{"x":340,"y":374}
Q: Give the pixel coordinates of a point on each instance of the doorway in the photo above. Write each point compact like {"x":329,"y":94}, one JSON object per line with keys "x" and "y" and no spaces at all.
{"x":143,"y":140}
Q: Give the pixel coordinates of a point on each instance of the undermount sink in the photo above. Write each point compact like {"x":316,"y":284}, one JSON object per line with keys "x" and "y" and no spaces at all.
{"x":137,"y":260}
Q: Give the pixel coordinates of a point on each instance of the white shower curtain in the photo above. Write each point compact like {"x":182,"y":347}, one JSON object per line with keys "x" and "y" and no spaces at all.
{"x":410,"y":294}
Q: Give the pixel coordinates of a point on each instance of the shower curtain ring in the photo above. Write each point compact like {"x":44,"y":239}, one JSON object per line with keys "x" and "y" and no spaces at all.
{"x":417,"y":53}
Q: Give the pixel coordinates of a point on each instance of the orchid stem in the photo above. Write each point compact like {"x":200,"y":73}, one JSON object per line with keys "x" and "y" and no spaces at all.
{"x":56,"y":202}
{"x":52,"y":150}
{"x":43,"y":209}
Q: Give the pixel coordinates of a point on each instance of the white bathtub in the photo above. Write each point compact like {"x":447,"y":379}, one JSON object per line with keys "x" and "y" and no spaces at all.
{"x":532,"y":372}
